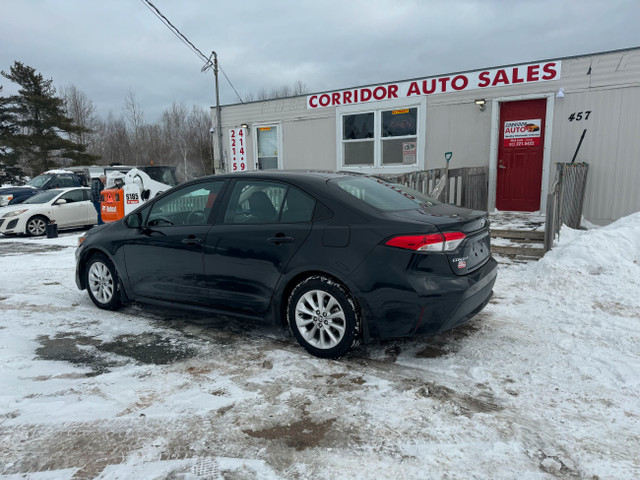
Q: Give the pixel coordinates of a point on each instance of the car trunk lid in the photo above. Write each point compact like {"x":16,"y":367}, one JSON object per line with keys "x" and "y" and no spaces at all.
{"x":475,"y":250}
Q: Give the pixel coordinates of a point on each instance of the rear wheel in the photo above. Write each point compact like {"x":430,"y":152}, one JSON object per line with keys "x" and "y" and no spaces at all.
{"x":37,"y":226}
{"x":102,"y":283}
{"x":323,"y":317}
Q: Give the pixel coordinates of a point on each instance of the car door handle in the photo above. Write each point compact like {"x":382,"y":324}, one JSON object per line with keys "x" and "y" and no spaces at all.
{"x":280,"y":238}
{"x":191,"y":240}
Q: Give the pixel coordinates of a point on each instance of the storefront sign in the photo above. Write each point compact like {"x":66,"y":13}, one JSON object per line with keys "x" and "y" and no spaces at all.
{"x":238,"y":149}
{"x":522,"y":133}
{"x":497,"y":77}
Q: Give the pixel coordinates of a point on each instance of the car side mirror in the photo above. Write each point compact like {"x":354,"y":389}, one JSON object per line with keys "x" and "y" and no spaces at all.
{"x":60,"y":201}
{"x":134,"y":220}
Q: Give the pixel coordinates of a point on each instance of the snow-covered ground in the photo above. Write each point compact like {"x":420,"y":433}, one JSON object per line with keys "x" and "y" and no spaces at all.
{"x":544,"y":383}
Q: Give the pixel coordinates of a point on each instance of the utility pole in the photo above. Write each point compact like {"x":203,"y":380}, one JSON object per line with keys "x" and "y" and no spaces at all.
{"x":218,"y":113}
{"x":206,"y":66}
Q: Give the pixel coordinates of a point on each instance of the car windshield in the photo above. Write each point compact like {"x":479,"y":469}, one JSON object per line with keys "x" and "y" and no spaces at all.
{"x":39,"y":181}
{"x":384,"y":195}
{"x":162,"y":174}
{"x":43,"y":197}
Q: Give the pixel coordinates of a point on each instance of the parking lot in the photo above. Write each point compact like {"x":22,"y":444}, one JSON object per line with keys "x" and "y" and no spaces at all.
{"x":542,"y":384}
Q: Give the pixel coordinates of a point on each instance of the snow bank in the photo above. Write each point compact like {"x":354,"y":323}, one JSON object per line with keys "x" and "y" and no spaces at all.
{"x":610,"y":248}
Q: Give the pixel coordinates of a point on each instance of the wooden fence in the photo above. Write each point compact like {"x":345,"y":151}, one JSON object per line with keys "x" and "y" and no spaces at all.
{"x":467,"y":187}
{"x":565,"y":200}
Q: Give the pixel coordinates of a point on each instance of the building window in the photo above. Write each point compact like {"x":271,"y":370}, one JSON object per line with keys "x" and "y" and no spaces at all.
{"x":384,"y":139}
{"x":399,"y":136}
{"x":268,"y":142}
{"x":358,"y":138}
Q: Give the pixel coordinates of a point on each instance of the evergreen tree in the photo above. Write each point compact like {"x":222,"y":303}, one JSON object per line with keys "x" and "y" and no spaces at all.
{"x":35,"y":131}
{"x":10,"y":173}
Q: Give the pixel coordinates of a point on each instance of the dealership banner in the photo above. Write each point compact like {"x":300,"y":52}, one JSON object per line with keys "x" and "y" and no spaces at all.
{"x":497,"y":77}
{"x":522,"y":133}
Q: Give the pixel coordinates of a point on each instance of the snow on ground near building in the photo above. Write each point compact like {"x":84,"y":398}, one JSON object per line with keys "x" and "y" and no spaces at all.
{"x":544,"y":383}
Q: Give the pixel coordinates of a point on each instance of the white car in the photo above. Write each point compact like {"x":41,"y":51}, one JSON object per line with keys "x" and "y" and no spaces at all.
{"x":67,"y":207}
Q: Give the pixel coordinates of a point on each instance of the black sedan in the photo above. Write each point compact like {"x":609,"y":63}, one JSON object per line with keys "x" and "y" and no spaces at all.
{"x":340,"y":258}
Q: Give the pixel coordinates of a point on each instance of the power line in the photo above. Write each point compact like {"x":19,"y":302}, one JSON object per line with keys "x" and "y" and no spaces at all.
{"x":187,"y":42}
{"x":174,"y":30}
{"x":234,"y":88}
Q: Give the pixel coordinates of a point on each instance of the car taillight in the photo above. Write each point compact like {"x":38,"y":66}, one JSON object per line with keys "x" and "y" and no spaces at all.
{"x":434,"y":242}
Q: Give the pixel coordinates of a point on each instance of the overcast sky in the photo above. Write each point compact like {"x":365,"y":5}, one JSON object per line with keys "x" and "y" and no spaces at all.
{"x":107,"y":48}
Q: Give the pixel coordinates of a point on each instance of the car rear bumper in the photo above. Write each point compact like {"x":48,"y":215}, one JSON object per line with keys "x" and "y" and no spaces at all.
{"x":424,"y":297}
{"x":473,"y":294}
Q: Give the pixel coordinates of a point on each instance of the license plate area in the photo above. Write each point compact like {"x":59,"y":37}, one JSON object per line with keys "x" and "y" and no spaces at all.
{"x":475,"y":252}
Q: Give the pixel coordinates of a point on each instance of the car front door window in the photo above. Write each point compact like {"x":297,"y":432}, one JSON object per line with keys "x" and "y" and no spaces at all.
{"x":187,"y":206}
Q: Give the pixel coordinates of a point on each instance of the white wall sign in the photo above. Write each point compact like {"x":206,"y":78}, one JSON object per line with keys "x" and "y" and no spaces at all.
{"x":238,"y":149}
{"x":409,"y":153}
{"x":496,"y":77}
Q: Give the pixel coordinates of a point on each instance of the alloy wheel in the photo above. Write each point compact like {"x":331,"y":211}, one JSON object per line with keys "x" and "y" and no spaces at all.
{"x":320,"y":319}
{"x":36,"y":226}
{"x":100,"y":282}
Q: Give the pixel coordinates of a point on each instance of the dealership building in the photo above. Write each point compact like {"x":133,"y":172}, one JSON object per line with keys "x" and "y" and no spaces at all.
{"x":516,"y":121}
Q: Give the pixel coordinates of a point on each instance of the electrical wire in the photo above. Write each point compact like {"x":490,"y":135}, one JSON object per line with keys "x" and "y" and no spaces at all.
{"x":174,"y":29}
{"x":208,"y":63}
{"x":234,"y":88}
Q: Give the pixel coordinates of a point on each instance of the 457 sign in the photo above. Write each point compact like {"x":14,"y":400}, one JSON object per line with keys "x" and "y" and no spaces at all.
{"x":577,"y":116}
{"x":238,"y":149}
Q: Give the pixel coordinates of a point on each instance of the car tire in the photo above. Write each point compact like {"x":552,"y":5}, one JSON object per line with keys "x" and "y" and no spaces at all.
{"x":36,"y":226}
{"x":102,"y":283}
{"x":324,"y":317}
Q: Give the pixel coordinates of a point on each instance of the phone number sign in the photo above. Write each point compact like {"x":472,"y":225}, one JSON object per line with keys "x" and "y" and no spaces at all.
{"x":523,"y":133}
{"x":238,"y":149}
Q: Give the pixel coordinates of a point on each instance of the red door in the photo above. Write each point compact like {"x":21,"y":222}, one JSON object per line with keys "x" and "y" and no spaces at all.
{"x":520,"y":155}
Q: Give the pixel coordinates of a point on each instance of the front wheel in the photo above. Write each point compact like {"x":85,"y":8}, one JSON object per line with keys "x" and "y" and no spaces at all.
{"x":323,"y":317}
{"x":37,"y":226}
{"x":102,"y":283}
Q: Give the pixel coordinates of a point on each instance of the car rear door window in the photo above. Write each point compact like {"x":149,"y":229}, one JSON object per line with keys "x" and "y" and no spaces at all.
{"x":261,"y":202}
{"x":63,"y":181}
{"x":298,"y":207}
{"x":73,"y":196}
{"x":255,"y":202}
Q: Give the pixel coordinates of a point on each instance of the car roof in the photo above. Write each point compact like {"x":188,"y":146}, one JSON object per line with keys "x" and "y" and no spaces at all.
{"x":67,"y":189}
{"x":56,"y":172}
{"x":312,"y":176}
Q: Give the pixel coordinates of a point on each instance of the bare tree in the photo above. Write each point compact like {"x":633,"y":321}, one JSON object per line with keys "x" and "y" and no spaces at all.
{"x":174,"y":124}
{"x":156,"y":149}
{"x":199,"y":123}
{"x":81,"y":109}
{"x":180,"y":138}
{"x":300,"y":88}
{"x":284,"y":91}
{"x":112,"y":141}
{"x":135,"y":120}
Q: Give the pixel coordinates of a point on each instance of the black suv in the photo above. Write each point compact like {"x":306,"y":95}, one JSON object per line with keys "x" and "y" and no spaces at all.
{"x":46,"y":181}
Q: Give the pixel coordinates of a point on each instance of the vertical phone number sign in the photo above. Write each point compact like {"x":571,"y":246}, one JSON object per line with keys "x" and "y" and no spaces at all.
{"x":238,"y":149}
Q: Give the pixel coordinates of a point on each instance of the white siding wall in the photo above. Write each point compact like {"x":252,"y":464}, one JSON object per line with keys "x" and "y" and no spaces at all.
{"x":607,"y":84}
{"x":308,"y":137}
{"x":461,"y":129}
